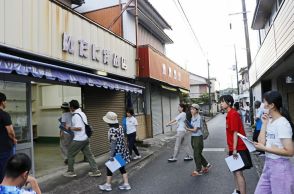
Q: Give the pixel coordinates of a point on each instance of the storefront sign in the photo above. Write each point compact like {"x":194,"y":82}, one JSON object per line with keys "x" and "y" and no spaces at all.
{"x":97,"y":54}
{"x":155,"y":65}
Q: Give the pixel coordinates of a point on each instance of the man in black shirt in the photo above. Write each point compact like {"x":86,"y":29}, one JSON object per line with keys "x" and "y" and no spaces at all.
{"x":7,"y":136}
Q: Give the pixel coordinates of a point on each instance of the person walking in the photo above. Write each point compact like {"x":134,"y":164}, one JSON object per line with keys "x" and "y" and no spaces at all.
{"x":80,"y":141}
{"x":258,"y":123}
{"x":117,"y":146}
{"x":236,"y":145}
{"x":66,"y":136}
{"x":276,"y":139}
{"x":7,"y":136}
{"x":17,"y":175}
{"x":131,"y":126}
{"x":202,"y":166}
{"x":181,"y":136}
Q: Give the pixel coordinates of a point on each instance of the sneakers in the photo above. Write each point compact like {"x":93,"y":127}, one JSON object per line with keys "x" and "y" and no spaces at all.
{"x":196,"y":173}
{"x":105,"y":187}
{"x":125,"y":187}
{"x":172,"y":159}
{"x":95,"y":174}
{"x":188,"y":158}
{"x":137,"y":157}
{"x":206,"y":169}
{"x":236,"y":192}
{"x":69,"y":174}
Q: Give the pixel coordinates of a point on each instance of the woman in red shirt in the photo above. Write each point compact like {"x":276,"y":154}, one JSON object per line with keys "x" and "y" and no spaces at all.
{"x":236,"y":145}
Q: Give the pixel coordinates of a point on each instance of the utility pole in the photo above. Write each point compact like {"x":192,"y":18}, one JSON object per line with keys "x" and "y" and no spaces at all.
{"x":248,"y":52}
{"x":209,"y":92}
{"x":237,"y":71}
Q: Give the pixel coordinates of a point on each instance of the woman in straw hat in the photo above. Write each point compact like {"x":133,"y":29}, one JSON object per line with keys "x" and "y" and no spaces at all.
{"x":117,"y":146}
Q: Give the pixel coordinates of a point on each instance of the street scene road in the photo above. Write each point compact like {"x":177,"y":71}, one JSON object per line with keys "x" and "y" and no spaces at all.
{"x":159,"y":176}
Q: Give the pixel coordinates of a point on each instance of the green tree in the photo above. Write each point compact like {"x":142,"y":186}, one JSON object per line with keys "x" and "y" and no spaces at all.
{"x":203,"y":99}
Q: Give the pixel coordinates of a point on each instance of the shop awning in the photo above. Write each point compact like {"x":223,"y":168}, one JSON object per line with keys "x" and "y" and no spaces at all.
{"x":21,"y":66}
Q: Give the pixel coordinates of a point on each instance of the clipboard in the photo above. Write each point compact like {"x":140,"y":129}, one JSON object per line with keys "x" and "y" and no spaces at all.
{"x":188,"y":124}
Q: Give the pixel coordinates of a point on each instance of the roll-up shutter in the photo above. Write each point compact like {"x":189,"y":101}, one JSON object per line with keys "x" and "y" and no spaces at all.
{"x":174,"y":101}
{"x":156,"y":108}
{"x":97,"y":102}
{"x":166,"y":109}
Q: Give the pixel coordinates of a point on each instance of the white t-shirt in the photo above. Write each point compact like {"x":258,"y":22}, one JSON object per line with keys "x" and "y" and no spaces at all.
{"x":181,"y":121}
{"x":276,"y":131}
{"x":77,"y":122}
{"x":132,"y":124}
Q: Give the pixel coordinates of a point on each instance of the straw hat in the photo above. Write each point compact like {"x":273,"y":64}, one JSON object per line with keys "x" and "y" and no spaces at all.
{"x":110,"y":118}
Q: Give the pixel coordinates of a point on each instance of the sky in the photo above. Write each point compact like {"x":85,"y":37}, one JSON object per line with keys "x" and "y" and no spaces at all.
{"x":210,"y":21}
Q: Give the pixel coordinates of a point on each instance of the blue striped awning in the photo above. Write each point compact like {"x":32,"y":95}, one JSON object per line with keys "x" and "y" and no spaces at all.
{"x":21,"y":66}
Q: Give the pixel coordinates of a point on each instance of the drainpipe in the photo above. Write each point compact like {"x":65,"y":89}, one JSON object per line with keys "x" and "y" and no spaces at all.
{"x":136,"y":29}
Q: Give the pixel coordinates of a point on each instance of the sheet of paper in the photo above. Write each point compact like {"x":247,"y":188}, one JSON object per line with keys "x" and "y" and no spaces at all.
{"x":234,"y":164}
{"x":249,"y":144}
{"x":113,"y":165}
{"x":117,"y":162}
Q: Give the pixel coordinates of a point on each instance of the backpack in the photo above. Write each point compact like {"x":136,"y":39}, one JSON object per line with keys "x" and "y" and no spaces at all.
{"x":88,"y":128}
{"x":204,"y":128}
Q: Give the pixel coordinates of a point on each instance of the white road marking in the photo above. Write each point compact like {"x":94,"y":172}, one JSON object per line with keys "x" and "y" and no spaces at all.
{"x":214,"y":149}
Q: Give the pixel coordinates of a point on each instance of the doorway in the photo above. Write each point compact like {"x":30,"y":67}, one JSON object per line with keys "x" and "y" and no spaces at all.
{"x":46,"y":102}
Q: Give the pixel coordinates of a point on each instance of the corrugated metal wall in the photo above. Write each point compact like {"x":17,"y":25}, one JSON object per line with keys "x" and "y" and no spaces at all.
{"x":37,"y":26}
{"x":156,"y":111}
{"x":166,"y":110}
{"x":174,"y":101}
{"x":278,"y":41}
{"x":97,"y":102}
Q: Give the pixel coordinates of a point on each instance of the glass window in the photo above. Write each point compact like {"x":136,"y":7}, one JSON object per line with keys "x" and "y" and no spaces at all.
{"x":137,"y":103}
{"x":16,"y":106}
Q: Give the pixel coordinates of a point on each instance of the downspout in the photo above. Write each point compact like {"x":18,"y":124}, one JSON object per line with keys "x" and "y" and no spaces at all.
{"x":136,"y":29}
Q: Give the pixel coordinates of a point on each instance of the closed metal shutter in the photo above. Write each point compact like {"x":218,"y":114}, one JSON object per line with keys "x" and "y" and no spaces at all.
{"x":174,"y":101}
{"x":156,"y":108}
{"x":97,"y":102}
{"x":166,"y":109}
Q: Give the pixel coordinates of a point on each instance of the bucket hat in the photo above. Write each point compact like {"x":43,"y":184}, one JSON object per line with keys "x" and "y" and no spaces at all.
{"x":110,"y":118}
{"x":65,"y":105}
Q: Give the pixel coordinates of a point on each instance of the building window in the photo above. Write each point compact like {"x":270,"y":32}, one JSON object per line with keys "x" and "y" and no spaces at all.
{"x":163,"y":69}
{"x":169,"y":72}
{"x":179,"y":76}
{"x":175,"y":74}
{"x":137,"y":103}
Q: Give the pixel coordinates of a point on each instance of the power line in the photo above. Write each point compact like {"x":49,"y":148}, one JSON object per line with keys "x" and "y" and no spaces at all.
{"x":191,"y":28}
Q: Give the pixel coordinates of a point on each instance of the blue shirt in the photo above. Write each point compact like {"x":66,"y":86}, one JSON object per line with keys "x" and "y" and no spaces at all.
{"x":14,"y":190}
{"x":258,"y":122}
{"x":196,"y":123}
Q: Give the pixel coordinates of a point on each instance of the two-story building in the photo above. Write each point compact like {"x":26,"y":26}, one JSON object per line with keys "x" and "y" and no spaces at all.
{"x":272,"y":67}
{"x":50,"y":53}
{"x":163,"y":79}
{"x":199,"y":87}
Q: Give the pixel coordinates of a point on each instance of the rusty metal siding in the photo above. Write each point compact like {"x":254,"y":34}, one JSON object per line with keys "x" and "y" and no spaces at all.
{"x":37,"y":26}
{"x":105,"y":16}
{"x":152,"y":63}
{"x":96,"y":103}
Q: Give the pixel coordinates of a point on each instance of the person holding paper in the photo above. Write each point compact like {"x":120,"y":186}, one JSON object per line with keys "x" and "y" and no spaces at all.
{"x":182,"y":136}
{"x":236,"y":145}
{"x":276,"y":139}
{"x":202,"y":166}
{"x":117,"y":146}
